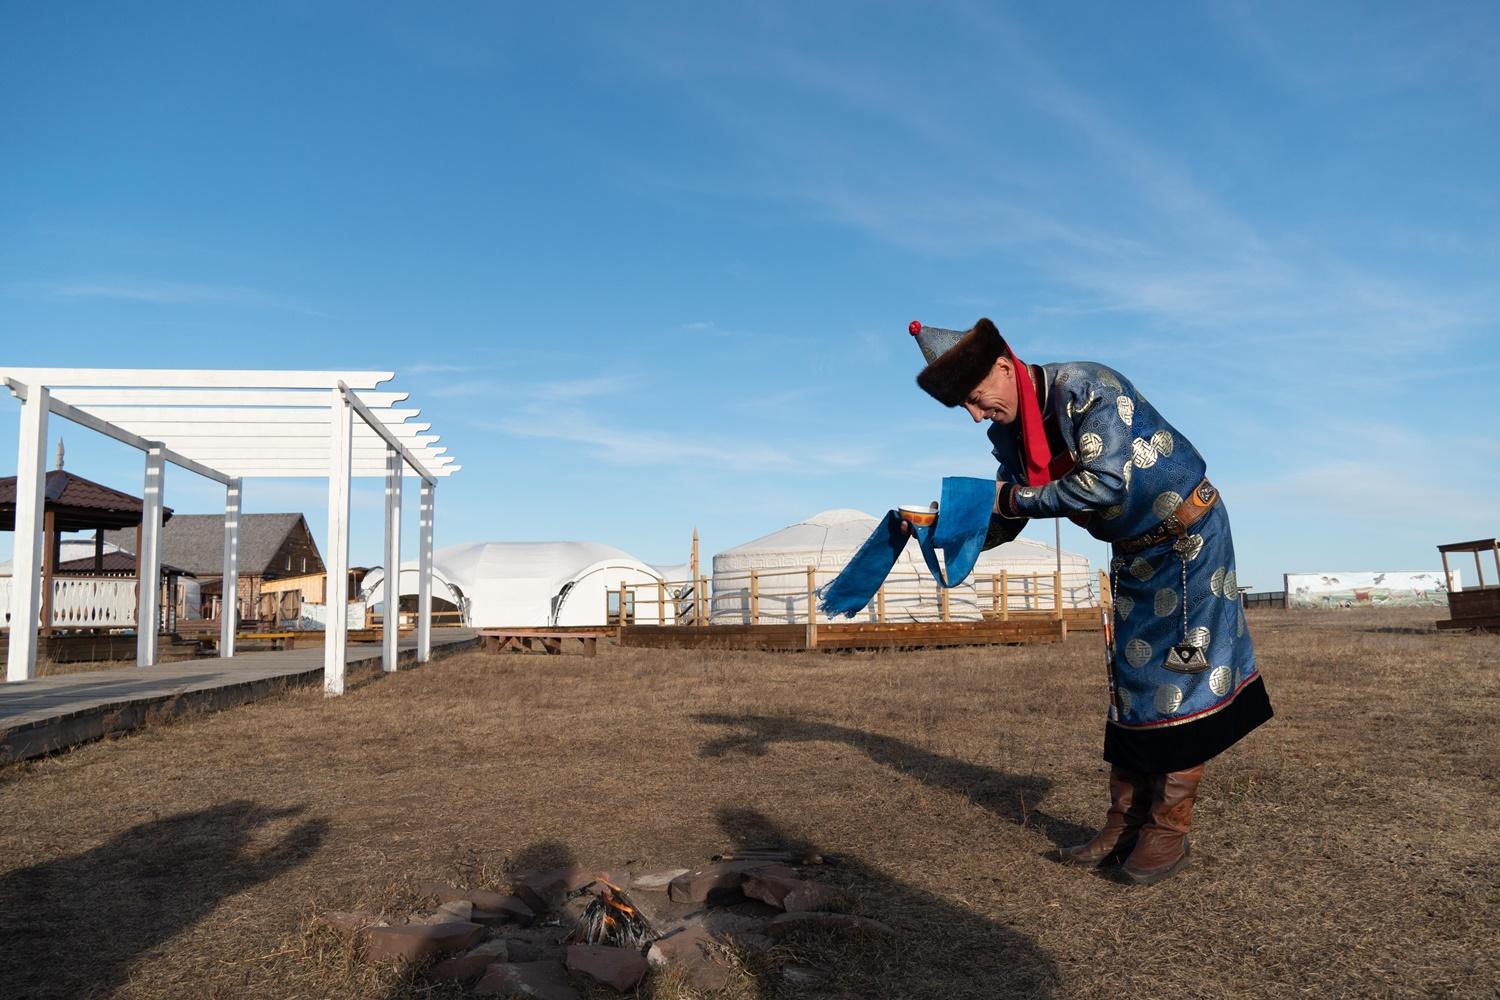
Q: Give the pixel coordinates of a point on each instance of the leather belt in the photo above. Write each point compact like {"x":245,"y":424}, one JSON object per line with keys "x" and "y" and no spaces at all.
{"x":1176,"y":525}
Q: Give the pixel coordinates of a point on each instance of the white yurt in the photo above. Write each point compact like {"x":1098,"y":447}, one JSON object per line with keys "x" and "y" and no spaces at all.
{"x":530,"y":583}
{"x":827,"y":541}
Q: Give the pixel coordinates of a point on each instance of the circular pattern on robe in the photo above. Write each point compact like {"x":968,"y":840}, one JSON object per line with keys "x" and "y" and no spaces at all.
{"x":1137,"y":652}
{"x":1127,"y":472}
{"x":1240,"y":628}
{"x":1086,"y":480}
{"x":1109,"y":379}
{"x":1165,"y":504}
{"x":1064,"y":376}
{"x":1231,"y":587}
{"x":1027,"y":492}
{"x":1165,"y":602}
{"x":1219,"y":679}
{"x":1123,"y":607}
{"x":1125,"y":406}
{"x":1090,"y":446}
{"x":1168,"y":699}
{"x":1112,"y":512}
{"x":1199,"y":637}
{"x":1142,"y":453}
{"x":1188,"y":547}
{"x":1141,"y":569}
{"x":1216,"y":582}
{"x":1124,"y":698}
{"x":1162,"y":442}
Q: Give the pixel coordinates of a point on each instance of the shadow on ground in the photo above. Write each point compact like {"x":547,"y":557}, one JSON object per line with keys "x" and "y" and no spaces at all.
{"x":940,"y":950}
{"x":74,"y":926}
{"x":1013,"y":797}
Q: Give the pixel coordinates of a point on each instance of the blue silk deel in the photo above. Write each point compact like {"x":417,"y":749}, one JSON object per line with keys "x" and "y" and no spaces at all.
{"x":963,"y":521}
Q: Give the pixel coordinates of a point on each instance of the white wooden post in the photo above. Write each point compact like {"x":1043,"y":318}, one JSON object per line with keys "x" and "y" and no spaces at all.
{"x":339,"y":469}
{"x":392,"y":585}
{"x":26,"y":581}
{"x":424,"y":572}
{"x":148,"y":587}
{"x":229,"y":605}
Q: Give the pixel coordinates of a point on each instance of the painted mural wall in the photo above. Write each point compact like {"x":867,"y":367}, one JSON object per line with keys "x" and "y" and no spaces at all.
{"x":1349,"y":590}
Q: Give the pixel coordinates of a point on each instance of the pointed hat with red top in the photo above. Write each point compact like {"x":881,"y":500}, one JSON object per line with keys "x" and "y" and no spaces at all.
{"x":957,"y":361}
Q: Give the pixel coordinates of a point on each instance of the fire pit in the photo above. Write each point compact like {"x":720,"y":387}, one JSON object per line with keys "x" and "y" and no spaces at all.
{"x":611,"y":918}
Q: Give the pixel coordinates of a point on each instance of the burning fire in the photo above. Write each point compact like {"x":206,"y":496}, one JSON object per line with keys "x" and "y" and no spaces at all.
{"x":610,"y":918}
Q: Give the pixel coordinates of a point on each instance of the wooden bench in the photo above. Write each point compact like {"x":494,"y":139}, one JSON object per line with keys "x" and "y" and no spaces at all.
{"x":539,"y":640}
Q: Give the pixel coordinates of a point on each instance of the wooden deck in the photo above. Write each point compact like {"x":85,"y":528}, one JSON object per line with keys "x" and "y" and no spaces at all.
{"x":847,"y":635}
{"x":42,"y":716}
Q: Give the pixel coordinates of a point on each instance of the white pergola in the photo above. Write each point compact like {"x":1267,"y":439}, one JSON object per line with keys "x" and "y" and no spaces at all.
{"x":229,"y":426}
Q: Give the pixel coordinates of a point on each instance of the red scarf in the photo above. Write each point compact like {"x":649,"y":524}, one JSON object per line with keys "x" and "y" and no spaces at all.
{"x":1042,"y":466}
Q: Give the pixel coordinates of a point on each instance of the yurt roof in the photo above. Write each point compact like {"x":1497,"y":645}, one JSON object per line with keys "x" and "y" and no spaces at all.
{"x":838,"y":529}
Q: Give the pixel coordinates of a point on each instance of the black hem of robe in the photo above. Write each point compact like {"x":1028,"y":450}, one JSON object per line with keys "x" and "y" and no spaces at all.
{"x":1177,"y":748}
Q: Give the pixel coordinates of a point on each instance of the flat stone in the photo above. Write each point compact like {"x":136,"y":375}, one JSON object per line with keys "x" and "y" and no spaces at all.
{"x":347,"y":923}
{"x":543,"y":980}
{"x":543,"y":890}
{"x":535,"y":944}
{"x":769,"y":887}
{"x":789,"y":923}
{"x":713,"y":880}
{"x":457,"y":909}
{"x":418,"y":942}
{"x":485,"y":899}
{"x":618,"y":968}
{"x":696,"y":952}
{"x":471,"y":964}
{"x":656,"y":881}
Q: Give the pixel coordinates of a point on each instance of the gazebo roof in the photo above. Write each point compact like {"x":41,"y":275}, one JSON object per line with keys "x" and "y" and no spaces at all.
{"x":78,"y":504}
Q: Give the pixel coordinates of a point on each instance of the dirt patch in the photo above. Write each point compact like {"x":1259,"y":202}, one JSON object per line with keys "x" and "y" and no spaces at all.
{"x":1347,"y":848}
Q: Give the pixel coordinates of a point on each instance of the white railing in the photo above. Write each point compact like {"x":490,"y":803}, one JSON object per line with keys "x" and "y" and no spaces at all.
{"x":85,"y":601}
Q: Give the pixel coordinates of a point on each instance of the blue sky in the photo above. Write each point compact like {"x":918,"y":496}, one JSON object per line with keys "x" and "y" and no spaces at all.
{"x":647,"y":267}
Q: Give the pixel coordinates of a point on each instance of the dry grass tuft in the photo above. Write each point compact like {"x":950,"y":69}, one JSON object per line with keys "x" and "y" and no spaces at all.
{"x":1349,"y":848}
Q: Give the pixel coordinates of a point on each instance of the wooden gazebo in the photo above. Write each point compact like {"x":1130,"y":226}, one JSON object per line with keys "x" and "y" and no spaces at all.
{"x":72,"y":504}
{"x":1477,"y":606}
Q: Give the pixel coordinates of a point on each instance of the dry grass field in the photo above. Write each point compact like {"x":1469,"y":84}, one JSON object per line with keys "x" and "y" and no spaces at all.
{"x":1349,"y":848}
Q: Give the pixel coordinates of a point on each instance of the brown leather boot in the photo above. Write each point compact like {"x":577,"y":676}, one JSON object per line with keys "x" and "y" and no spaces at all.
{"x":1129,"y":807}
{"x":1162,"y":849}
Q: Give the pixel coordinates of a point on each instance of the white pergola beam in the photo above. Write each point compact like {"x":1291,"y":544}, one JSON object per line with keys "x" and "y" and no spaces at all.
{"x":148,"y":586}
{"x":384,"y":431}
{"x":218,"y":397}
{"x":134,"y":378}
{"x":196,"y":415}
{"x":335,"y":640}
{"x":229,"y":603}
{"x":392,"y":617}
{"x":26,"y":557}
{"x":424,"y":571}
{"x":185,"y":435}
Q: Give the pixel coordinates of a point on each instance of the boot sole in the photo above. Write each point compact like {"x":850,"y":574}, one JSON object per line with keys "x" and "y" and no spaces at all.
{"x":1151,"y":878}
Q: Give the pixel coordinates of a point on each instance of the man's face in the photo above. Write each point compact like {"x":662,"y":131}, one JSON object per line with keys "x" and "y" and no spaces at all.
{"x":995,"y":397}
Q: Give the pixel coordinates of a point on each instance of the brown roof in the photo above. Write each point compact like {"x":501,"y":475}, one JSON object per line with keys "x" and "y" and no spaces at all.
{"x":117,"y":561}
{"x":79,"y":504}
{"x":196,"y":543}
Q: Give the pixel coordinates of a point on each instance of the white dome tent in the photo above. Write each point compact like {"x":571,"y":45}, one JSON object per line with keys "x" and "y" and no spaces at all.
{"x":829,"y":540}
{"x":536,"y":584}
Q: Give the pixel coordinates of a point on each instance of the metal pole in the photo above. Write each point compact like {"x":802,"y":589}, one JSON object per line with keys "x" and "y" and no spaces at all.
{"x":424,"y":570}
{"x":392,"y":585}
{"x":229,"y":604}
{"x":148,"y":587}
{"x":31,"y":482}
{"x":340,"y":449}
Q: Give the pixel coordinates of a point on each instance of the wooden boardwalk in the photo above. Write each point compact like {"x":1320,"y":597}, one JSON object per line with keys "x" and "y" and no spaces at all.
{"x":48,"y":714}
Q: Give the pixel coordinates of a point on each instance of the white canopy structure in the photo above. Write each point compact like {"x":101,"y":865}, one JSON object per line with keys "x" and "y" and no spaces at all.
{"x":828,"y":541}
{"x":511,"y":584}
{"x":229,"y":426}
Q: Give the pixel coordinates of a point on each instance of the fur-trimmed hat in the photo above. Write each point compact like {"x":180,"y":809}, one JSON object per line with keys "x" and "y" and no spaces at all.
{"x":957,"y":362}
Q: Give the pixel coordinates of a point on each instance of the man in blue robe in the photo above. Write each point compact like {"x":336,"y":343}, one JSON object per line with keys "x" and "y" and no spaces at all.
{"x":1078,"y":440}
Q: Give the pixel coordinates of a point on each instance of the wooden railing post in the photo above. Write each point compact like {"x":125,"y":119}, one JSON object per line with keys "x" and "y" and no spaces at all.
{"x":812,"y":607}
{"x":707,"y":612}
{"x":1005,"y":595}
{"x":994,"y":592}
{"x":942,"y":602}
{"x":622,"y":609}
{"x":880,"y":604}
{"x":1057,"y":601}
{"x":754,"y":597}
{"x":661,"y":602}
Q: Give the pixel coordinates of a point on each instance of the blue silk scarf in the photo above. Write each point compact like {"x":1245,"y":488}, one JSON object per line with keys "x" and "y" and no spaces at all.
{"x":963,"y":521}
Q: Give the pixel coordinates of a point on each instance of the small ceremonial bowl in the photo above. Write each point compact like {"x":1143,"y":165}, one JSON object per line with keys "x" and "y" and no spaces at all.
{"x":919,"y":515}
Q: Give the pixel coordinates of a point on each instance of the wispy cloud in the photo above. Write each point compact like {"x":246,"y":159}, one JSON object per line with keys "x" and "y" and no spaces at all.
{"x":156,"y":291}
